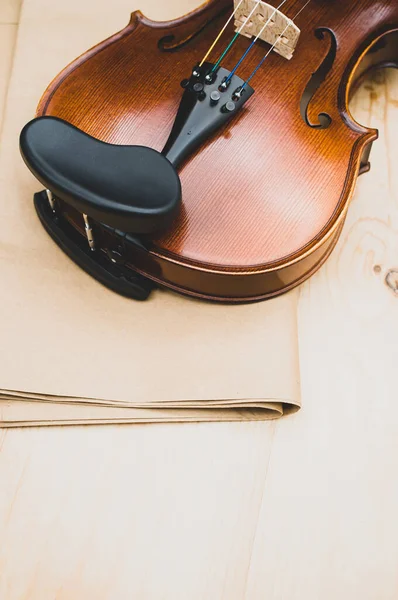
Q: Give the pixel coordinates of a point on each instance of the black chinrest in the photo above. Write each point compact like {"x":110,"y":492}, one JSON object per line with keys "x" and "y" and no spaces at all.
{"x":131,"y":188}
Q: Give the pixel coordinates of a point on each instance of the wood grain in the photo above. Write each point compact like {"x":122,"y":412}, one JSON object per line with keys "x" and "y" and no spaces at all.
{"x":327,"y":526}
{"x":305,"y":508}
{"x":258,"y":215}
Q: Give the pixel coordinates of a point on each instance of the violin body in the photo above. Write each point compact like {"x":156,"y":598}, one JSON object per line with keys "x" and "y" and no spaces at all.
{"x":264,"y":198}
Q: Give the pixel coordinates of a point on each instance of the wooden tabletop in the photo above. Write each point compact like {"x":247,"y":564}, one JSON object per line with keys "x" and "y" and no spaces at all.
{"x":303,"y":508}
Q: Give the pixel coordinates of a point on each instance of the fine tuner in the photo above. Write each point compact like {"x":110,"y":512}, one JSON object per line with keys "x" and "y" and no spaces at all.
{"x":234,"y":188}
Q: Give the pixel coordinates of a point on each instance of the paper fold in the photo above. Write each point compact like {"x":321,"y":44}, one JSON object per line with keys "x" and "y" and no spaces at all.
{"x":74,"y":351}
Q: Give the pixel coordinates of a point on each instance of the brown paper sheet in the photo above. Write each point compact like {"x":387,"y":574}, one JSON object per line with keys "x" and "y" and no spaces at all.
{"x":77,"y":353}
{"x":22,"y":413}
{"x":7,"y":40}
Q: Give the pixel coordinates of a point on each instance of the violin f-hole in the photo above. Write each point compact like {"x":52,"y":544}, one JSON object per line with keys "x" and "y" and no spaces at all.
{"x":169,"y":43}
{"x":317,"y":79}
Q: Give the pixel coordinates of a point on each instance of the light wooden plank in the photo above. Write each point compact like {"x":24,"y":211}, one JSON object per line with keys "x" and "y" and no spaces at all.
{"x":328,"y":526}
{"x":130,"y":512}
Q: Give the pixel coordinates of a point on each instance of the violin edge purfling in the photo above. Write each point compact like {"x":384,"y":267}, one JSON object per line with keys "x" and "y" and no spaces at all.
{"x":234,"y":243}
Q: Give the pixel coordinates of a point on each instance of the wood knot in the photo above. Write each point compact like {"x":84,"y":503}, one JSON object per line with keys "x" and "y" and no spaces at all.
{"x":392,"y":280}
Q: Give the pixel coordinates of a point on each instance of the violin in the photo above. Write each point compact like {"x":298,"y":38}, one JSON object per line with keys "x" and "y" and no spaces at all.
{"x":214,"y":155}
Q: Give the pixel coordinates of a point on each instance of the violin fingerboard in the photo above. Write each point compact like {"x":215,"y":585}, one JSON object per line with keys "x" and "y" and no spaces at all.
{"x":278,"y":24}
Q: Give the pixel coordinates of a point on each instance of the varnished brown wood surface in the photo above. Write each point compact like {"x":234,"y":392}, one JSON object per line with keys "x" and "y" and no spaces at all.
{"x":268,"y":189}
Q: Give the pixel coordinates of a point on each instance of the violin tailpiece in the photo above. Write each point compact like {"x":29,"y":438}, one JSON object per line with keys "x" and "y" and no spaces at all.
{"x":278,"y":24}
{"x":209,"y":102}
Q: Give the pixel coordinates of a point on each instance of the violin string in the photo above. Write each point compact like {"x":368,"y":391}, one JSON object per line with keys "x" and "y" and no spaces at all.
{"x":254,"y":42}
{"x":210,"y":50}
{"x":232,"y":42}
{"x":260,"y":64}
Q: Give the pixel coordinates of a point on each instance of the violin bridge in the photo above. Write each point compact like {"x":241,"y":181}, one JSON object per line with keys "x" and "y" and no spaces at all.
{"x":278,"y":24}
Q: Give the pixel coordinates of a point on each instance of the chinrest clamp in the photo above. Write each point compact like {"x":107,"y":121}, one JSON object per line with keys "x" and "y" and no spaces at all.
{"x":106,"y":266}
